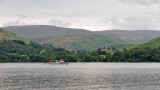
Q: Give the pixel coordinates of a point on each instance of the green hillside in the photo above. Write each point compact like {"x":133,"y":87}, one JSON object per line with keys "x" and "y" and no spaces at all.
{"x":87,"y":42}
{"x":10,"y":36}
{"x":154,"y":43}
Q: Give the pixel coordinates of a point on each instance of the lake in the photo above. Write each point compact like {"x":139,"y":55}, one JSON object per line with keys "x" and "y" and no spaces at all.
{"x":80,"y":76}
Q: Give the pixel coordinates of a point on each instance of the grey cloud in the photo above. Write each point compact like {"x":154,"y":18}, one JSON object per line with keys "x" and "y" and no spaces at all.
{"x":60,"y":23}
{"x":16,"y":23}
{"x":85,"y":13}
{"x":142,"y":2}
{"x":25,"y":16}
{"x":133,"y":23}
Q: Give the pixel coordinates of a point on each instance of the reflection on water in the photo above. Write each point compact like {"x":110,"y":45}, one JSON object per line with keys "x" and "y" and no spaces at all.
{"x":80,"y":76}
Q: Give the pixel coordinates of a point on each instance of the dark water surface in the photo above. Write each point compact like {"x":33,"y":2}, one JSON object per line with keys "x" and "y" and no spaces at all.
{"x":80,"y":76}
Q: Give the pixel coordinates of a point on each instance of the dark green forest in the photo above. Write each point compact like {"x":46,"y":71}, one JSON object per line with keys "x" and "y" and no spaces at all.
{"x":19,"y":51}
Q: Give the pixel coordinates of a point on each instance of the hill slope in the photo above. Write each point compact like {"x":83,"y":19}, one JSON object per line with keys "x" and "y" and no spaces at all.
{"x":87,"y":42}
{"x":43,"y":31}
{"x":10,"y":36}
{"x":154,"y":43}
{"x":139,"y":35}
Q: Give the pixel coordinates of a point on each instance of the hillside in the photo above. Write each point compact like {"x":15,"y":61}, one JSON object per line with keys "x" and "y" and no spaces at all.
{"x":19,"y":51}
{"x":47,"y":31}
{"x":74,"y":39}
{"x":139,"y":35}
{"x":87,"y":42}
{"x":44,"y":31}
{"x":154,"y":43}
{"x":10,"y":36}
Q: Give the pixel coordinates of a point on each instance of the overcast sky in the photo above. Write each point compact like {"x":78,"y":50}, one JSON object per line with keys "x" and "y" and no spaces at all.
{"x":86,"y":14}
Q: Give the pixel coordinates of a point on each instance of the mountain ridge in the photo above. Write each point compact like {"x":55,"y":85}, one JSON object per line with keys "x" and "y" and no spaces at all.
{"x":58,"y":35}
{"x":44,"y":31}
{"x":140,"y":35}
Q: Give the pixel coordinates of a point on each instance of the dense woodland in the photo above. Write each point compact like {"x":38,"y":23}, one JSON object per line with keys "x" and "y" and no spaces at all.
{"x":19,"y":51}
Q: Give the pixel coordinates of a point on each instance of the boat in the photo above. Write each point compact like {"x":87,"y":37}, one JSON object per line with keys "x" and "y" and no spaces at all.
{"x":57,"y":62}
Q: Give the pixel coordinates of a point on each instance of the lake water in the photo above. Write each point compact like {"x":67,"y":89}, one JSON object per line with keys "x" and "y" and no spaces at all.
{"x":80,"y":76}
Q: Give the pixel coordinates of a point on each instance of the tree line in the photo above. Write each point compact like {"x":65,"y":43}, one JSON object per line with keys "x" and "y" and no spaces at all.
{"x":19,"y":51}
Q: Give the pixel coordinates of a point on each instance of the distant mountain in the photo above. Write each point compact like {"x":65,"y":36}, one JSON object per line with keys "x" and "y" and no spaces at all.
{"x":73,"y":39}
{"x":139,"y":35}
{"x":87,"y":42}
{"x":10,"y":36}
{"x":44,"y":31}
{"x":154,"y":43}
